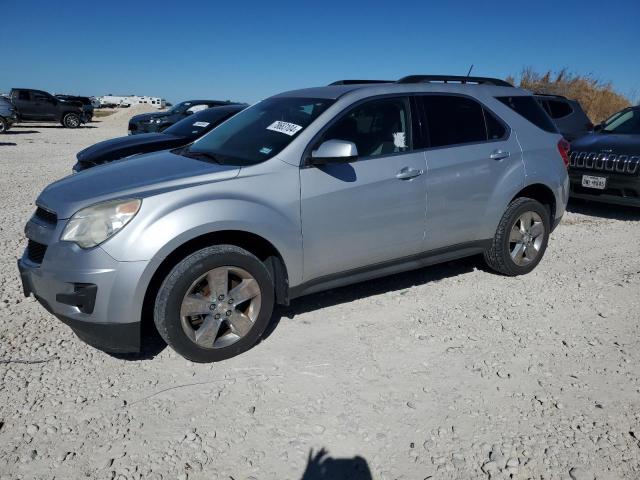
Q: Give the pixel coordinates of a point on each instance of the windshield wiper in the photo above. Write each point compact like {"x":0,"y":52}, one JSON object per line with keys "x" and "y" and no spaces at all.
{"x":185,"y":152}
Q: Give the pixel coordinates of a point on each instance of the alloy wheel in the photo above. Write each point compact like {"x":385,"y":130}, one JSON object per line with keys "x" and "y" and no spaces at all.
{"x":220,"y":307}
{"x":526,"y":238}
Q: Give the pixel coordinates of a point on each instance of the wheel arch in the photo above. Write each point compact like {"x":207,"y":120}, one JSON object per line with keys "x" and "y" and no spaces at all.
{"x":253,"y":243}
{"x":543,"y":194}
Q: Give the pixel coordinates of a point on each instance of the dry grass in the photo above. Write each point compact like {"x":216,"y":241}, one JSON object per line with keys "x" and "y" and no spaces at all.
{"x":597,"y":98}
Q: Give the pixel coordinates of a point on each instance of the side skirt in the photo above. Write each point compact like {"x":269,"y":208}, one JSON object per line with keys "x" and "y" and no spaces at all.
{"x":389,"y":268}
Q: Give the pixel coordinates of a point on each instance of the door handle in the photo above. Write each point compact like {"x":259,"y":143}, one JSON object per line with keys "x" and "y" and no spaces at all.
{"x":407,"y":173}
{"x":499,"y":155}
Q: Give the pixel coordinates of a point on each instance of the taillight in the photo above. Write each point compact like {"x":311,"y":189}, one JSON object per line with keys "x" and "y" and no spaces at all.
{"x":563,"y":148}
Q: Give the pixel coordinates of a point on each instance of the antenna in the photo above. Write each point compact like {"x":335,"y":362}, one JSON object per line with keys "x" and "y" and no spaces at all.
{"x":470,"y":68}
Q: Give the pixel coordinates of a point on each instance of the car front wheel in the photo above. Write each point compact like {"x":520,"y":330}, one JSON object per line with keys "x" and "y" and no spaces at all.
{"x":521,"y":238}
{"x":71,"y":120}
{"x":215,"y":303}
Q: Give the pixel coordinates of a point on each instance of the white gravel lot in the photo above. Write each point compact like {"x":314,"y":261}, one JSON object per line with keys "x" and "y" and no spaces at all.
{"x":447,"y":372}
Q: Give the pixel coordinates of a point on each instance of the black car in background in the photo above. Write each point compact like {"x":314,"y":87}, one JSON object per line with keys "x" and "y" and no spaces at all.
{"x":605,"y":165}
{"x":568,"y":115}
{"x":182,"y":133}
{"x":40,"y":106}
{"x":158,"y":122}
{"x":87,"y":105}
{"x":8,"y":114}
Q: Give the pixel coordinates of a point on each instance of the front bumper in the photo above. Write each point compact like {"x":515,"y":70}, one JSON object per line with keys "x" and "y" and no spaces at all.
{"x":621,"y":189}
{"x":97,"y":296}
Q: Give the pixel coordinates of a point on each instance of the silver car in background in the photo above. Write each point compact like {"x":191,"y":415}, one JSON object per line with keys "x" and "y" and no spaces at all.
{"x":304,"y":191}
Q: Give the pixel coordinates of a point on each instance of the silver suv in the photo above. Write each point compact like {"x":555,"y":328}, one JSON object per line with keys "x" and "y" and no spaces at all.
{"x":304,"y":191}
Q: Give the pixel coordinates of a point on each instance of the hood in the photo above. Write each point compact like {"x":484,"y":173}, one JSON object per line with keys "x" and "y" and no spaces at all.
{"x":599,"y":142}
{"x":137,"y":177}
{"x":121,"y":147}
{"x":145,"y":117}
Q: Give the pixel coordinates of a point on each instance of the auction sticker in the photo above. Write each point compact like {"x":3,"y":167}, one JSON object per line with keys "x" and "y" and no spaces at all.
{"x":284,"y":127}
{"x":201,"y":124}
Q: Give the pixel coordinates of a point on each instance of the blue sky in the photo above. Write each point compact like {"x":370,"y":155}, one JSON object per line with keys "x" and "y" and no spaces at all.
{"x":249,"y":50}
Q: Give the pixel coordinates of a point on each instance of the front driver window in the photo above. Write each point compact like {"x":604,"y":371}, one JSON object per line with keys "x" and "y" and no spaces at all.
{"x":379,"y":127}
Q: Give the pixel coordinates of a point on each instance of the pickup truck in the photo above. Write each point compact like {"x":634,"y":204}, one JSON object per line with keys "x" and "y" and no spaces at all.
{"x":40,"y":106}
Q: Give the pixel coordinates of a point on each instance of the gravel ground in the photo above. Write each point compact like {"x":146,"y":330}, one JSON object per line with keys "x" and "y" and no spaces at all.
{"x":446,"y":372}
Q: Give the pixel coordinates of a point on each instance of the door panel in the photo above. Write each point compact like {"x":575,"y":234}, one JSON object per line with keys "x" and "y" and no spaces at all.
{"x":371,"y":210}
{"x":463,"y":187}
{"x":359,"y":214}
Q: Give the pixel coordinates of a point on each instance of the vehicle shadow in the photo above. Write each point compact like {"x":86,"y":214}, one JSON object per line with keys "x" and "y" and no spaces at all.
{"x":391,"y":283}
{"x":7,"y":144}
{"x":321,"y":466}
{"x":57,"y":126}
{"x":13,"y":131}
{"x":151,"y":344}
{"x":604,"y":210}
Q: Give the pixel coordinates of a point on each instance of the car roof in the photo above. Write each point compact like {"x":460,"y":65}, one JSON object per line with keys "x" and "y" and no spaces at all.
{"x":215,"y":111}
{"x":334,"y":92}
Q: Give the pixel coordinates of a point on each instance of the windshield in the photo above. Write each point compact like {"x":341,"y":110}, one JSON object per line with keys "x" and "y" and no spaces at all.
{"x":197,"y":124}
{"x":180,"y":107}
{"x":261,"y":131}
{"x":624,"y":123}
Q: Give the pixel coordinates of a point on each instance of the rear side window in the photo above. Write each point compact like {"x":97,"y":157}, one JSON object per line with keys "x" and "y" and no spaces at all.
{"x":453,"y":120}
{"x":559,"y":109}
{"x":527,"y":107}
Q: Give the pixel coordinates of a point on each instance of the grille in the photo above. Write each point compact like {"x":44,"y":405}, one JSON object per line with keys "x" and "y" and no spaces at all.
{"x":46,"y":216}
{"x":36,"y":251}
{"x":605,"y":162}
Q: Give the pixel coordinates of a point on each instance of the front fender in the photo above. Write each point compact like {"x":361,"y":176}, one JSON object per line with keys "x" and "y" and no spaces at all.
{"x":270,"y":209}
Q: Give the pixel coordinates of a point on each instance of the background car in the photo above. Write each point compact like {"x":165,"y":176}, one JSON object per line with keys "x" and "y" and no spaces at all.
{"x":85,"y":102}
{"x":185,"y":131}
{"x":157,"y":122}
{"x":8,"y":114}
{"x":605,"y":165}
{"x":568,"y":115}
{"x":40,"y":106}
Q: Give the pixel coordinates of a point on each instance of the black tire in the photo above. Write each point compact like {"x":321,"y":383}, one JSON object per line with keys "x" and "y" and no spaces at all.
{"x":174,"y":287}
{"x":498,"y":256}
{"x":4,"y":125}
{"x":71,"y":120}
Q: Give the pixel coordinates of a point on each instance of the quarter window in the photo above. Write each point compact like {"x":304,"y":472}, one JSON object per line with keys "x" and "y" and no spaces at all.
{"x":495,"y":129}
{"x":559,"y":109}
{"x":527,"y":107}
{"x":379,"y":127}
{"x":453,"y":120}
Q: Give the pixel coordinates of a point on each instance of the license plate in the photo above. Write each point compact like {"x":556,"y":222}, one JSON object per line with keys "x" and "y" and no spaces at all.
{"x":599,"y":183}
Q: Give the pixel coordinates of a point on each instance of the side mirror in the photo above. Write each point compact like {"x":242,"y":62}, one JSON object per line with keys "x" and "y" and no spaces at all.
{"x":598,"y":127}
{"x":334,"y":151}
{"x":188,"y":112}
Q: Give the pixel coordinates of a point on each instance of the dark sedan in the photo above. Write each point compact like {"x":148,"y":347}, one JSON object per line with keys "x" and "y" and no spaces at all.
{"x":160,"y":121}
{"x":179,"y":134}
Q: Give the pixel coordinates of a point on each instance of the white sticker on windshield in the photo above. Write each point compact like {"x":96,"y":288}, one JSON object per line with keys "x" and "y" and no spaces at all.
{"x":284,"y":127}
{"x":201,"y":124}
{"x":400,"y":140}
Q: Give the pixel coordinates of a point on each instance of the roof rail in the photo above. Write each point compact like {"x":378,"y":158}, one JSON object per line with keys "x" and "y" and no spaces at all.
{"x":356,"y":82}
{"x":540,"y":94}
{"x":454,"y":78}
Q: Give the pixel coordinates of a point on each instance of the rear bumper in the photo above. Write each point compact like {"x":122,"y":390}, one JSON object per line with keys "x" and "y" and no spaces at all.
{"x":620,"y":189}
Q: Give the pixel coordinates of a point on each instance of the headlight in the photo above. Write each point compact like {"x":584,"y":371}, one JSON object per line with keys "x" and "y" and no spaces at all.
{"x":158,"y":121}
{"x":93,"y":225}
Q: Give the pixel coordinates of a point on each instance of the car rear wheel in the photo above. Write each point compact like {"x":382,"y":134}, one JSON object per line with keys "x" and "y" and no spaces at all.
{"x":521,"y":238}
{"x":71,"y":120}
{"x":214,"y":304}
{"x":4,"y":125}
